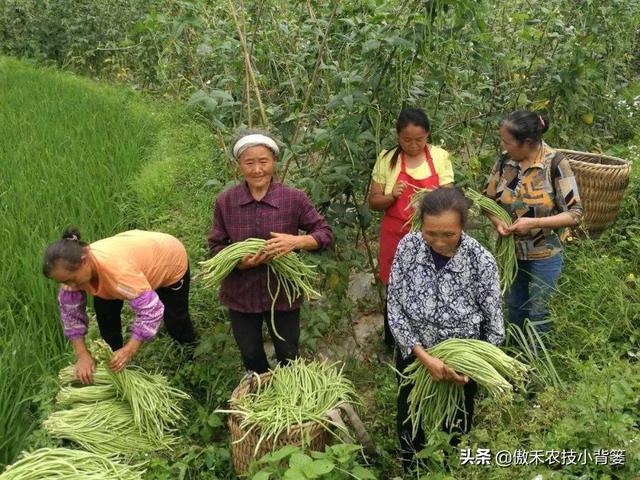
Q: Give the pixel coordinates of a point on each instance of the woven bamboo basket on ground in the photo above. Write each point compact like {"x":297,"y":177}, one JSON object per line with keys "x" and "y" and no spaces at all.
{"x":602,"y":181}
{"x":311,"y":434}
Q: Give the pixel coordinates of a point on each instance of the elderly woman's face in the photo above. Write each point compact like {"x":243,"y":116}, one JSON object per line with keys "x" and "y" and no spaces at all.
{"x":442,"y":232}
{"x":257,"y":165}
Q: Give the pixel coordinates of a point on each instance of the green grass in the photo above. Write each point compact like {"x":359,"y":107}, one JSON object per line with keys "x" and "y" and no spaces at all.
{"x":67,"y":150}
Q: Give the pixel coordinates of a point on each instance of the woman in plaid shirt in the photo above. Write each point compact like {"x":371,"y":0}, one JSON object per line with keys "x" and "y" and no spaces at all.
{"x":536,"y":185}
{"x":262,"y":207}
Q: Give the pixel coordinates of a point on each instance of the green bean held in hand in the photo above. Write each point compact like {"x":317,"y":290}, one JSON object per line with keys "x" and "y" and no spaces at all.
{"x":434,"y":403}
{"x":505,"y":249}
{"x":292,"y":274}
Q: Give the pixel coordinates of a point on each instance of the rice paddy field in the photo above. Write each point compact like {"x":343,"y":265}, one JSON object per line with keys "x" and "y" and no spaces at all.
{"x":68,"y":148}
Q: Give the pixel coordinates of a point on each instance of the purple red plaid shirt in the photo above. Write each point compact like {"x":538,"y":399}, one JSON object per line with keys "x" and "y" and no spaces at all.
{"x":238,"y":216}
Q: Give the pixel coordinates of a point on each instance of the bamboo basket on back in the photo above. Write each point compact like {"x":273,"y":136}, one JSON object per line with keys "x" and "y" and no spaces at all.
{"x":601,"y":181}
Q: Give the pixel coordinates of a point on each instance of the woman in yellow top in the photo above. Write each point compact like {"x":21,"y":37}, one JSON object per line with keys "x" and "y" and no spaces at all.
{"x":148,"y":269}
{"x":413,"y":164}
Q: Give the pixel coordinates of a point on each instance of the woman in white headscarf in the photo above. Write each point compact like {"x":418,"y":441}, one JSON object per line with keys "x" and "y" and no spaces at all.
{"x":262,"y":207}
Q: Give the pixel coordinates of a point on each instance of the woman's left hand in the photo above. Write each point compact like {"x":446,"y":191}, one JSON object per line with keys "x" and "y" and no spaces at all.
{"x":523,"y":225}
{"x":281,"y":244}
{"x":122,"y":357}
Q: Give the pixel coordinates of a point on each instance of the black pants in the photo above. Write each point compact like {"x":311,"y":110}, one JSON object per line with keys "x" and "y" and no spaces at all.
{"x":247,"y":330}
{"x":410,"y":446}
{"x":175,"y":299}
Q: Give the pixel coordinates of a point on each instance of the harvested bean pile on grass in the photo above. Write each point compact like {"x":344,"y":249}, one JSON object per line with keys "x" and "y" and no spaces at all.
{"x":297,"y":393}
{"x":67,"y":464}
{"x":105,"y":428}
{"x":291,"y":273}
{"x":126,"y":413}
{"x":433,"y":404}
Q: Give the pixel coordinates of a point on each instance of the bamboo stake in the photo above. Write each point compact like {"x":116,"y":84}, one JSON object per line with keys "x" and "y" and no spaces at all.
{"x":307,"y":96}
{"x":247,"y":62}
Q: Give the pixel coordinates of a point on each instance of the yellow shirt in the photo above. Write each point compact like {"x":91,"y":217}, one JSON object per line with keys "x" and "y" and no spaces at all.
{"x":384,"y":175}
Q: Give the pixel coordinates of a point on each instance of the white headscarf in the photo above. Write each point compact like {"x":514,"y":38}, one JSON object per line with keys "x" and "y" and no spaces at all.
{"x":254,"y":140}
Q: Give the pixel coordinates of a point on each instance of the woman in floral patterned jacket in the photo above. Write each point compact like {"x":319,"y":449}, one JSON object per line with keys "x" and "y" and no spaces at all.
{"x":443,"y":284}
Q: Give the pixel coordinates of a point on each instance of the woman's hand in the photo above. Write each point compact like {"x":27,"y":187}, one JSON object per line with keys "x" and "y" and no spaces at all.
{"x":502,"y":228}
{"x":523,"y":225}
{"x":281,"y":244}
{"x":439,"y":371}
{"x":398,"y":188}
{"x":123,"y":356}
{"x":252,"y":261}
{"x":85,"y":368}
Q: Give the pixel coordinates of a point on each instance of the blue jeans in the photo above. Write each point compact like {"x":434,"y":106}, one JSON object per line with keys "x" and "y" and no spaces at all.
{"x":529,"y":294}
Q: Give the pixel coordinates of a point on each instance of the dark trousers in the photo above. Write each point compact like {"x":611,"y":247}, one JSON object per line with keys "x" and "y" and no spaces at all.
{"x":175,"y":299}
{"x":247,"y":330}
{"x":410,"y":446}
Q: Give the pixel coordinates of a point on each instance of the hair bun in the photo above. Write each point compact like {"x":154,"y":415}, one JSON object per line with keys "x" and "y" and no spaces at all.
{"x":71,"y":233}
{"x":544,"y":122}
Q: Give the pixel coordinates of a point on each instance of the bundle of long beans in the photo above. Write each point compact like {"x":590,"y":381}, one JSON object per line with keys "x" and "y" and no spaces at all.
{"x":433,"y":404}
{"x":69,"y":395}
{"x":415,"y":222}
{"x":505,"y":250}
{"x":104,"y":428}
{"x":297,"y":393}
{"x":67,"y":376}
{"x":67,"y":464}
{"x":292,"y":274}
{"x":154,"y":403}
{"x":130,"y":404}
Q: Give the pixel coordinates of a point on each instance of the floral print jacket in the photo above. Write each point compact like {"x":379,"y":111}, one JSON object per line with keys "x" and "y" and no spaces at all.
{"x":462,"y":300}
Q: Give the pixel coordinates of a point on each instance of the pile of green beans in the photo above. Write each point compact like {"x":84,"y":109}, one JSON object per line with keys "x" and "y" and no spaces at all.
{"x":67,"y":464}
{"x":67,"y":396}
{"x":131,"y":411}
{"x":297,"y":393}
{"x":433,"y":404}
{"x":104,"y":428}
{"x":154,"y":403}
{"x":505,"y":249}
{"x":291,"y":273}
{"x":67,"y":376}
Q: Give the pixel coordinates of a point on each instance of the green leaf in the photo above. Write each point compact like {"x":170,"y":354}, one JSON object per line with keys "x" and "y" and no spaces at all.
{"x":370,"y":45}
{"x":362,"y":473}
{"x":261,"y":476}
{"x":204,"y":49}
{"x":318,"y":468}
{"x":367,"y":135}
{"x":278,"y":455}
{"x":294,"y":473}
{"x":299,"y":460}
{"x":214,"y":420}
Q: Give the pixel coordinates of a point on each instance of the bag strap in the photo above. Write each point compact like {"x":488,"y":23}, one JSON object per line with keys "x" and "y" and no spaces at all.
{"x":503,"y":159}
{"x":555,"y":162}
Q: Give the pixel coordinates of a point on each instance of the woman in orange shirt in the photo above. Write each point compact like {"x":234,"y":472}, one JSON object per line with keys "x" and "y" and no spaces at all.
{"x":148,"y":269}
